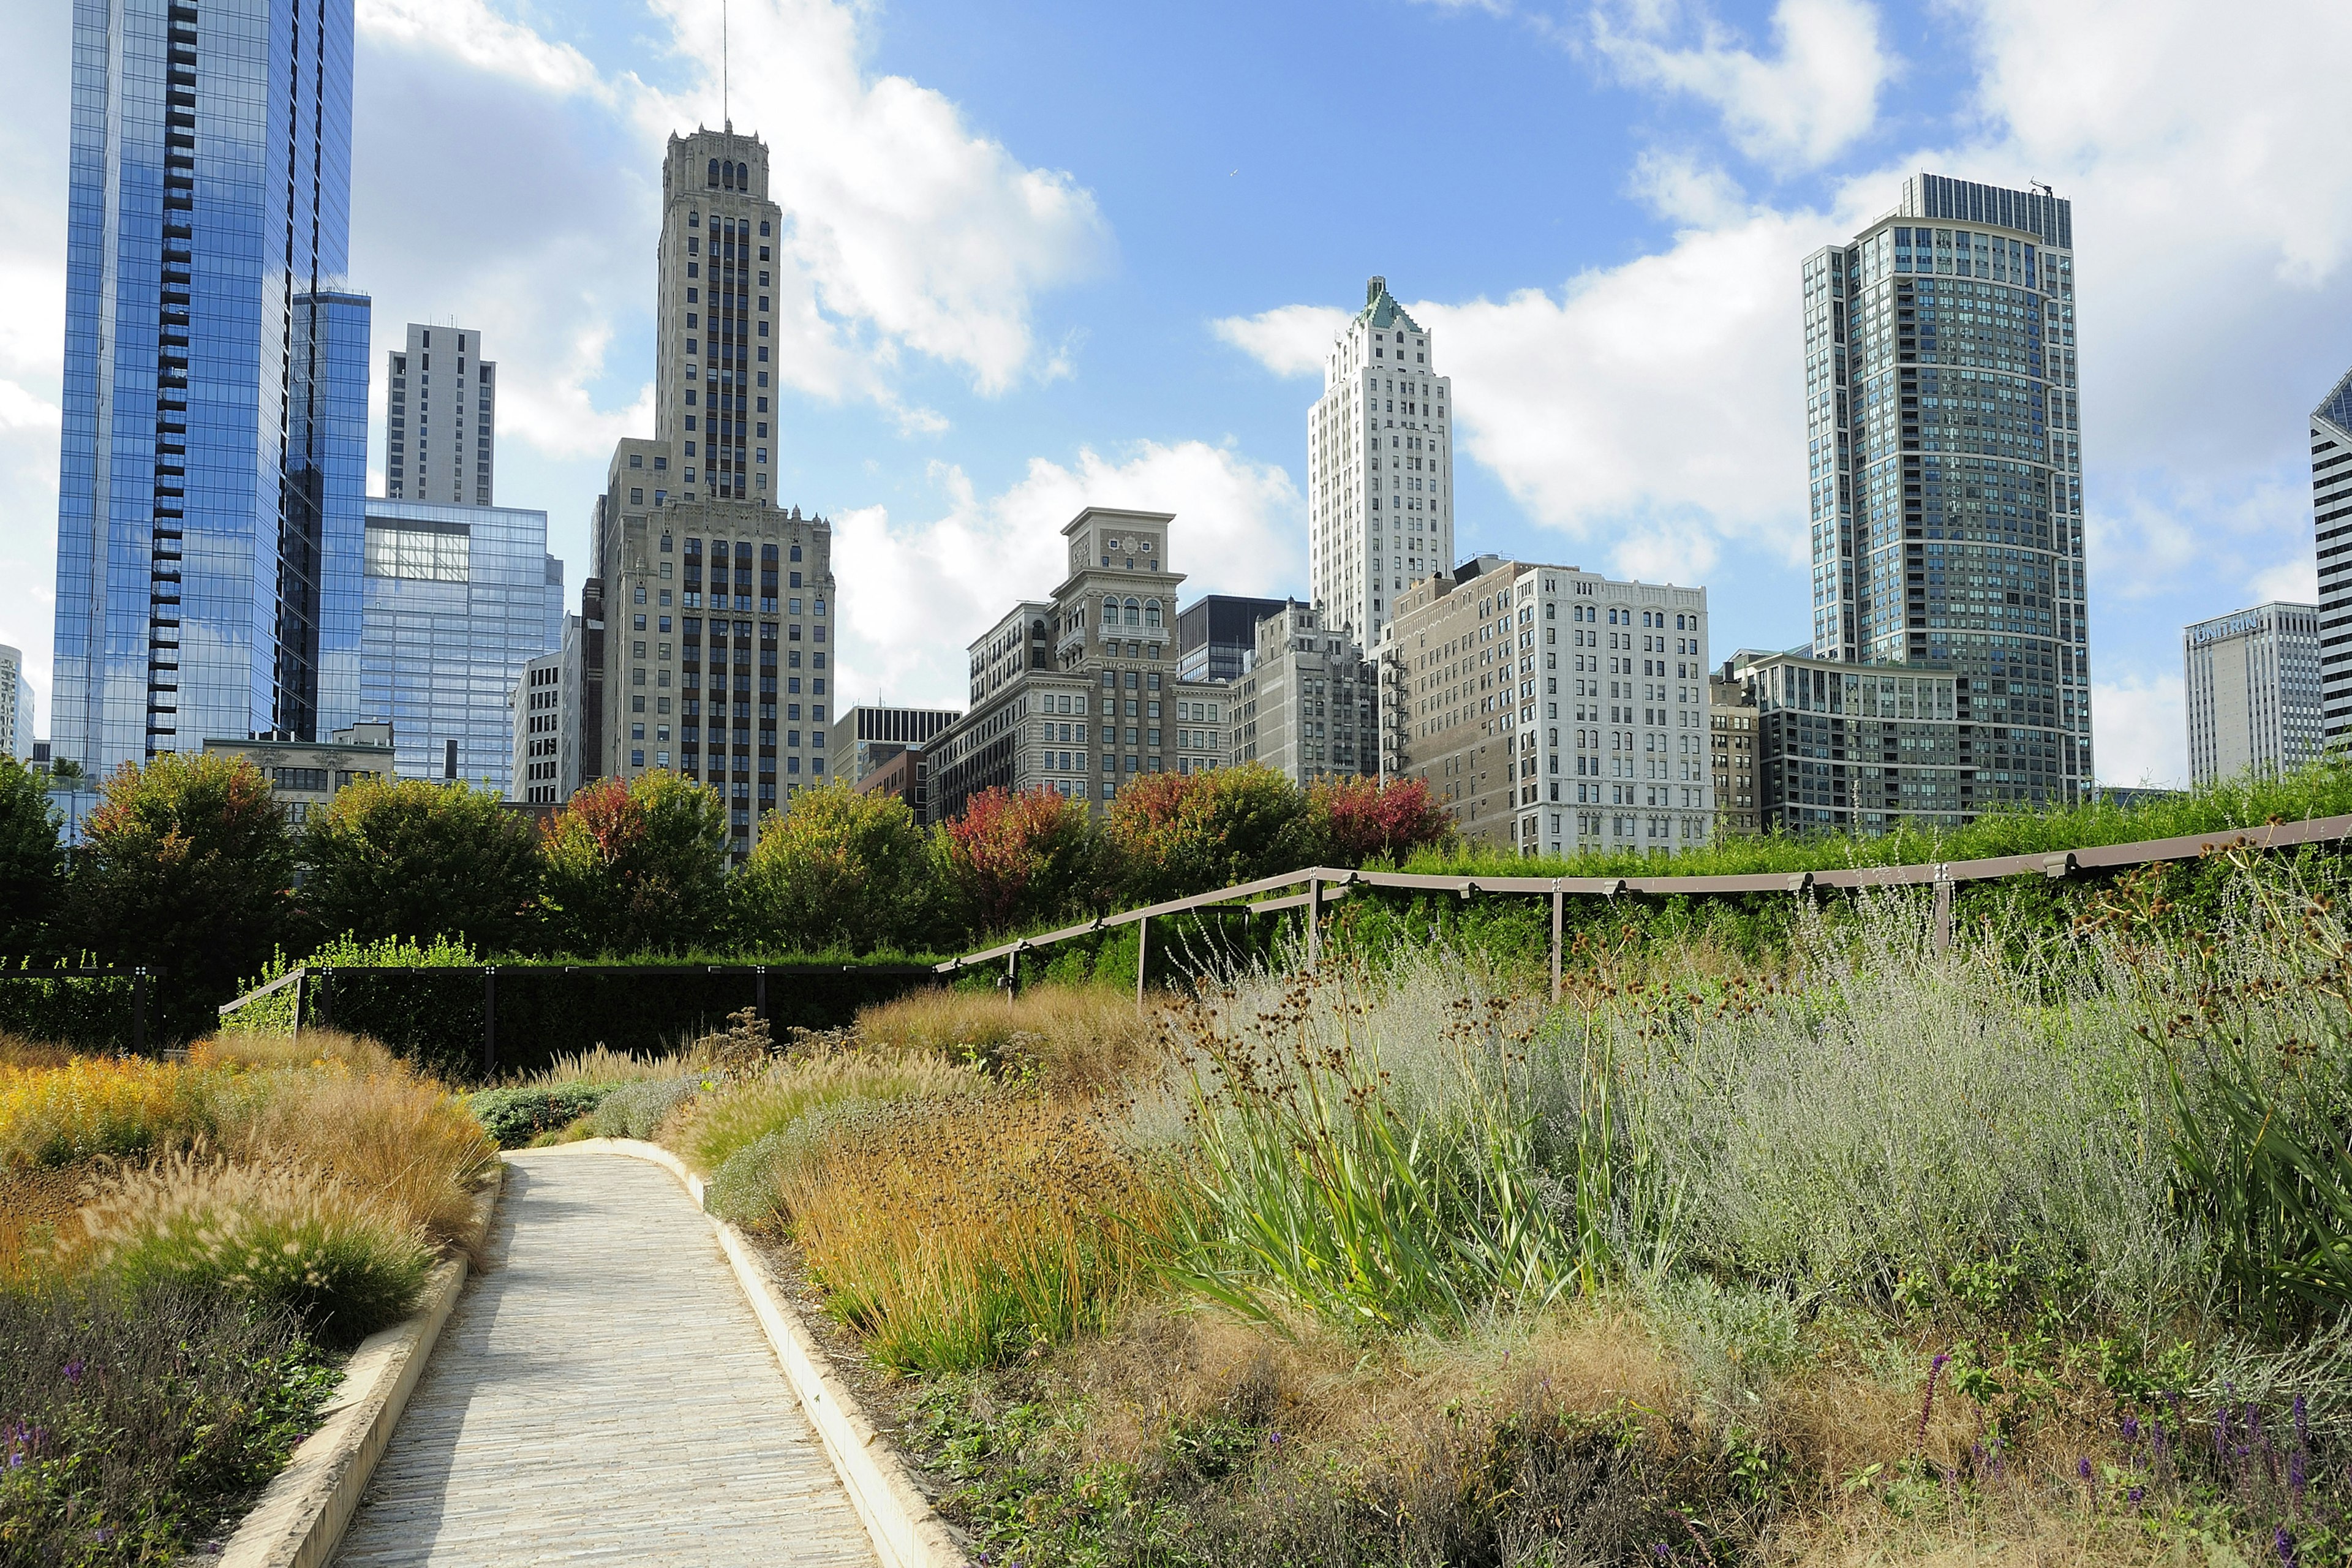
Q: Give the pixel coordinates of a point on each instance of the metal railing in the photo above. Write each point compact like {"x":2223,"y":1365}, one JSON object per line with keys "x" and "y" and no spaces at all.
{"x":141,"y":978}
{"x":1325,"y":884}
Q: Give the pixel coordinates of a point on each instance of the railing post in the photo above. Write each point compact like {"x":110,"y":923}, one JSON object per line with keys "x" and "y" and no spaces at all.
{"x":1313,"y":924}
{"x":139,"y":1010}
{"x":1142,"y":956}
{"x":1012,"y":973}
{"x":759,"y":989}
{"x":489,"y":1019}
{"x":1943,"y":908}
{"x":326,"y":1018}
{"x":1556,"y":898}
{"x":300,"y":975}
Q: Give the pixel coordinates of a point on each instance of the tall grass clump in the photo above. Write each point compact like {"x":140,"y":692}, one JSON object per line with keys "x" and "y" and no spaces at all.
{"x":95,"y":1107}
{"x":635,"y":1110}
{"x":1074,"y":1039}
{"x":278,"y":1237}
{"x":719,"y":1126}
{"x":255,"y":1050}
{"x":952,"y":1234}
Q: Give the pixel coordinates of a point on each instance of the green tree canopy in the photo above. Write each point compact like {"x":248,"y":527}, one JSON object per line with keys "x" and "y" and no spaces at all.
{"x":32,"y":861}
{"x":419,"y":859}
{"x":187,"y":864}
{"x":1173,"y":835}
{"x":838,"y":869}
{"x":636,"y":865}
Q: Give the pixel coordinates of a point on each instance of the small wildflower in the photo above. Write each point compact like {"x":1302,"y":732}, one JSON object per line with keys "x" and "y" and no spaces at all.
{"x":74,"y":1370}
{"x":2134,"y":1496}
{"x":2284,"y":1543}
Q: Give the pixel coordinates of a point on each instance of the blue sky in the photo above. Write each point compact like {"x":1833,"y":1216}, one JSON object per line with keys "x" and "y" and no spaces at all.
{"x":1049,"y":254}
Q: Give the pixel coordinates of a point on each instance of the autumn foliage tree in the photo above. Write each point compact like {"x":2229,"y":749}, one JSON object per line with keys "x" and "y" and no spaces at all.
{"x":186,"y":863}
{"x":837,"y":869}
{"x":636,"y":865}
{"x":1012,"y":860}
{"x":1172,"y":835}
{"x":417,"y":857}
{"x":1361,"y":820}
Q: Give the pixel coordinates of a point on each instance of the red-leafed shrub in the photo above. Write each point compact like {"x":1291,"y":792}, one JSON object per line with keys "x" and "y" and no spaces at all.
{"x":1012,"y":860}
{"x":1362,"y":819}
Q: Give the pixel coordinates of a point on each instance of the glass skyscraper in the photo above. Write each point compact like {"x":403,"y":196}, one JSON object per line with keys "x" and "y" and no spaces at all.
{"x":1944,"y":441}
{"x":458,"y":600}
{"x":214,"y":462}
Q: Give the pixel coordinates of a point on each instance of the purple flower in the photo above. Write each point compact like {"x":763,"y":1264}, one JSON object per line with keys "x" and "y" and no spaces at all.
{"x":2134,"y":1496}
{"x":2083,"y":1468}
{"x":2131,"y":1428}
{"x":2285,"y":1545}
{"x":74,"y":1370}
{"x":1274,"y":1439}
{"x":2297,"y":1477}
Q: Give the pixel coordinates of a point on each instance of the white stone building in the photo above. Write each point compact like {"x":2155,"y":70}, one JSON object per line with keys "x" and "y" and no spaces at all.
{"x":441,"y":449}
{"x":1380,"y":469}
{"x":2251,"y":691}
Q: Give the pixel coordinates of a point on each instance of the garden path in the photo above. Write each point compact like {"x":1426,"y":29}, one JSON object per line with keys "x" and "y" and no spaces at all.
{"x":602,"y":1393}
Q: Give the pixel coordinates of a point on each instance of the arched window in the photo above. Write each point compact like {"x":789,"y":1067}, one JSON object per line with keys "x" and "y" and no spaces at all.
{"x":1151,"y":613}
{"x":1110,"y":612}
{"x":1132,"y":609}
{"x":714,"y":172}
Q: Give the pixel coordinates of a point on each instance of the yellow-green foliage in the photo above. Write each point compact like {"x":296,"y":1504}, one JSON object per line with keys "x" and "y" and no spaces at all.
{"x":718,"y":1126}
{"x":1080,"y":1039}
{"x":955,"y":1233}
{"x":96,"y":1106}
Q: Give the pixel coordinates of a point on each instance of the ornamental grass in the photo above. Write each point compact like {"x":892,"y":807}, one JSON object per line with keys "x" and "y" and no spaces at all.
{"x":93,"y":1107}
{"x":1072,"y":1040}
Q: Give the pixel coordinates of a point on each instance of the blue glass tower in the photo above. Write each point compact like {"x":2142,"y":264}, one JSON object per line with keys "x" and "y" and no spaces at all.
{"x":213,"y":473}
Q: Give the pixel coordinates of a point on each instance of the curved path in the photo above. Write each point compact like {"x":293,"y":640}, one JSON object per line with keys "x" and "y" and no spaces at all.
{"x":602,"y":1393}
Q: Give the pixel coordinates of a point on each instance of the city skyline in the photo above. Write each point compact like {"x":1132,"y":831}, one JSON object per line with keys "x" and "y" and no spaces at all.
{"x":979,"y":368}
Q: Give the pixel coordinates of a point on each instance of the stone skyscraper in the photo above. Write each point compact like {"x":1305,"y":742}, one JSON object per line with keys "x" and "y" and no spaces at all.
{"x":2331,"y":521}
{"x":1945,"y":453}
{"x":1380,"y":469}
{"x":693,"y":555}
{"x":450,"y":460}
{"x":213,"y":463}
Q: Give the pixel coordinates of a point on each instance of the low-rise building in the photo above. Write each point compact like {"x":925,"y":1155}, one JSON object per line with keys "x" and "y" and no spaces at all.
{"x":867,"y":736}
{"x":1552,"y":708}
{"x":1079,"y":693}
{"x":305,"y":775}
{"x":1308,"y":706}
{"x":1861,"y":749}
{"x":906,"y":774}
{"x":1732,"y":733}
{"x":1216,"y":636}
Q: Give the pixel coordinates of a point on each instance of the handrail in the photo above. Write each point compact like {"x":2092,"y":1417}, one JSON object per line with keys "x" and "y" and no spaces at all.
{"x":290,"y":977}
{"x":1940,"y":875}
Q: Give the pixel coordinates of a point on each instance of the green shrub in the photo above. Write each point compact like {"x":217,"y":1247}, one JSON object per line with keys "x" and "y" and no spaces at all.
{"x":135,"y":1424}
{"x":515,"y":1116}
{"x":279,"y":1237}
{"x":634,"y":1110}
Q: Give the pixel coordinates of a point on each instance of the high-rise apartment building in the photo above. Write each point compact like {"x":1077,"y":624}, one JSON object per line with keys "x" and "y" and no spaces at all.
{"x":543,"y":713}
{"x":2331,"y":513}
{"x":1732,"y":736}
{"x":1380,"y":469}
{"x":15,"y":706}
{"x":693,"y":556}
{"x":1308,"y":706}
{"x":1944,"y":441}
{"x":1551,"y":708}
{"x":214,"y":459}
{"x":2251,"y":689}
{"x":1857,"y":749}
{"x":1216,"y":635}
{"x":451,"y":459}
{"x":1079,"y":693}
{"x":458,"y":600}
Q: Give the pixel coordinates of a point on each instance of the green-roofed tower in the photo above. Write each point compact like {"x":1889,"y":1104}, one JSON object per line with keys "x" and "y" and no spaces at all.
{"x":1380,"y":469}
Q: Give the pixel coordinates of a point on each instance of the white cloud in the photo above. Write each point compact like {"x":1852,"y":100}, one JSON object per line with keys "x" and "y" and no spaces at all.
{"x":913,"y":595}
{"x":1813,"y":98}
{"x":1291,"y":340}
{"x":904,"y":230}
{"x":473,"y":33}
{"x":2139,"y":732}
{"x":1684,"y":189}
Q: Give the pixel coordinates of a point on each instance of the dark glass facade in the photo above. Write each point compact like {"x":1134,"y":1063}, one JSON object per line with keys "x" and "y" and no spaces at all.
{"x":213,"y":466}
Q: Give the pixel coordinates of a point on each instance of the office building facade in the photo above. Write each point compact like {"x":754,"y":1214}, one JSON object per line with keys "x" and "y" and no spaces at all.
{"x":1079,"y":693}
{"x":15,"y":706}
{"x":214,"y":456}
{"x":867,"y":737}
{"x":1308,"y":706}
{"x":1380,"y":469}
{"x":1732,"y":735}
{"x":1553,"y":709}
{"x":544,"y":716}
{"x":1858,"y":748}
{"x":2331,"y":515}
{"x":708,"y":606}
{"x":458,"y":600}
{"x":2251,"y":685}
{"x":451,"y":460}
{"x":1216,"y":636}
{"x":305,"y":776}
{"x":1945,"y":451}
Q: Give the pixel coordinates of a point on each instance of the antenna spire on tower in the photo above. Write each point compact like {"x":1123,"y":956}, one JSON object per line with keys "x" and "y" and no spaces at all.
{"x":726,"y":116}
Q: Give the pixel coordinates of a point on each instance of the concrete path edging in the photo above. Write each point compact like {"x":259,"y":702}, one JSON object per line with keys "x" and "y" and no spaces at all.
{"x":907,"y":1532}
{"x":300,"y":1516}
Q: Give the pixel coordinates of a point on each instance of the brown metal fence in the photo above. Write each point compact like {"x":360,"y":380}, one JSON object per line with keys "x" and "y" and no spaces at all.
{"x":1325,"y":884}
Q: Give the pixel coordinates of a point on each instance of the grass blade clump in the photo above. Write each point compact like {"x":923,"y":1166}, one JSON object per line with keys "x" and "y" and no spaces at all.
{"x":93,"y":1108}
{"x":718,"y":1126}
{"x":634,"y":1110}
{"x":280,"y":1236}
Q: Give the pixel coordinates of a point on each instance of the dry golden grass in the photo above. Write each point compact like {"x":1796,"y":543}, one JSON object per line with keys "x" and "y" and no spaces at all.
{"x":954,"y":1232}
{"x":707,"y":1129}
{"x":1081,"y":1040}
{"x":93,"y":1106}
{"x":407,"y":1142}
{"x":17,"y":1051}
{"x":600,"y":1064}
{"x":312,"y":1047}
{"x":34,"y":1202}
